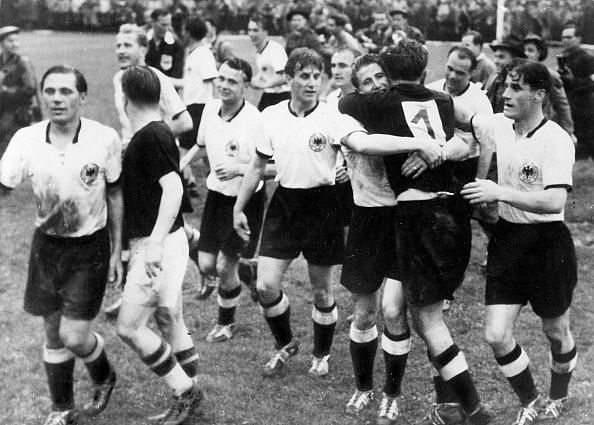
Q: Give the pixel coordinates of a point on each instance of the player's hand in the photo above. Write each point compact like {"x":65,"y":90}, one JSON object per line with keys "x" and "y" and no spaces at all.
{"x":414,"y":166}
{"x":341,"y":174}
{"x":480,"y":191}
{"x":240,"y":224}
{"x":115,"y":273}
{"x":430,"y":152}
{"x":225,"y":171}
{"x":152,"y":258}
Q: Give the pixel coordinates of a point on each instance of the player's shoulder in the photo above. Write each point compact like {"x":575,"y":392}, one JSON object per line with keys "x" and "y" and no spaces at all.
{"x":32,"y":132}
{"x":93,"y":129}
{"x":436,"y":85}
{"x":250,"y":110}
{"x":554,"y":133}
{"x":278,"y":110}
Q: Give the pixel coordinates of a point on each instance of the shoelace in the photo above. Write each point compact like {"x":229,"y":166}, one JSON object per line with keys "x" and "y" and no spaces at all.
{"x":434,"y":416}
{"x":388,"y":408}
{"x":360,"y":400}
{"x":527,"y":415}
{"x":57,"y":418}
{"x":554,"y":408}
{"x":278,"y":356}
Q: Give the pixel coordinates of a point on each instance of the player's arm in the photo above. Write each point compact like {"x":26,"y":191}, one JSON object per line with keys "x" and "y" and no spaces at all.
{"x":262,"y":81}
{"x":115,"y":219}
{"x":251,"y":179}
{"x":171,"y":197}
{"x":181,"y":123}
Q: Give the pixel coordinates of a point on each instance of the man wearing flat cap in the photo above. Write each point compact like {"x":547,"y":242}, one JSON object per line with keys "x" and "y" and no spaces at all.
{"x":18,"y":85}
{"x":505,"y":50}
{"x":400,"y":29}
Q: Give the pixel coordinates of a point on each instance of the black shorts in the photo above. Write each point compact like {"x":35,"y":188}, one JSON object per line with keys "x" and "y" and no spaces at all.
{"x":188,"y":139}
{"x":433,"y":240}
{"x":67,"y":274}
{"x":269,"y":99}
{"x":370,"y":250}
{"x":465,"y":171}
{"x":533,"y":263}
{"x":216,"y":229}
{"x":345,"y":200}
{"x":304,"y":220}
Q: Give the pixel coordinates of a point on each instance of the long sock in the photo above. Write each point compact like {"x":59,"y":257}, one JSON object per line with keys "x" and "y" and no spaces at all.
{"x":184,"y":350}
{"x":278,"y":317}
{"x":363,"y":347}
{"x":324,"y":324}
{"x":163,"y":363}
{"x":228,"y":301}
{"x":59,"y":367}
{"x":562,"y":365}
{"x":444,"y":391}
{"x":96,"y":361}
{"x":396,"y":349}
{"x":515,"y":367}
{"x":453,"y":369}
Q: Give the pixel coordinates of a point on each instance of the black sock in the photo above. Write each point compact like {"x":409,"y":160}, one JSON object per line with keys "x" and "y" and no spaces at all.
{"x":158,"y":362}
{"x":453,"y":369}
{"x":59,"y":367}
{"x":324,"y":324}
{"x":97,"y":363}
{"x":188,"y":360}
{"x":363,"y":347}
{"x":228,"y":301}
{"x":562,"y":366}
{"x":514,"y":367}
{"x":278,"y":317}
{"x":395,"y":349}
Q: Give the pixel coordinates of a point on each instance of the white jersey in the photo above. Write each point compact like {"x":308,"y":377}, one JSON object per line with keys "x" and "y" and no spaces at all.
{"x":200,"y":65}
{"x":304,"y":148}
{"x":170,"y":103}
{"x":475,"y":100}
{"x":229,"y":141}
{"x":69,"y":184}
{"x":271,"y":60}
{"x":538,"y":160}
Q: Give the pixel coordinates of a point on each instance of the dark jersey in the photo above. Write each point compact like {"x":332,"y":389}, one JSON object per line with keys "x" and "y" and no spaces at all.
{"x":150,"y":155}
{"x":166,"y":57}
{"x":408,"y":110}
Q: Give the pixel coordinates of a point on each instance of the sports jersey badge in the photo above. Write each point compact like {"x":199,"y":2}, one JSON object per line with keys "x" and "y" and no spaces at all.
{"x":528,"y":172}
{"x":166,"y":62}
{"x":232,"y":148}
{"x":89,"y":173}
{"x":317,"y":142}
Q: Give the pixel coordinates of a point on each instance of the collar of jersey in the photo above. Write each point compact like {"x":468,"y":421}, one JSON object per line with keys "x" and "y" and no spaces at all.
{"x":74,"y":139}
{"x":531,"y":132}
{"x":306,"y":113}
{"x":234,"y":115}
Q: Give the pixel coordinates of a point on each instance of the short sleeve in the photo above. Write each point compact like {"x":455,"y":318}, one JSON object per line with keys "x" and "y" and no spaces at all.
{"x":170,"y":102}
{"x":113,"y":167}
{"x":342,"y":126}
{"x":264,"y":146}
{"x":483,"y":129}
{"x":13,"y":165}
{"x":159,"y":154}
{"x":558,"y":160}
{"x":278,"y":58}
{"x":257,"y":133}
{"x":207,"y":66}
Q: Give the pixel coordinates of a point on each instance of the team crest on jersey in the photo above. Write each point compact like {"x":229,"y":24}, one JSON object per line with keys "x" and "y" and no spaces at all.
{"x":166,"y":62}
{"x":232,"y":148}
{"x":529,"y":172}
{"x":89,"y":173}
{"x":317,"y":142}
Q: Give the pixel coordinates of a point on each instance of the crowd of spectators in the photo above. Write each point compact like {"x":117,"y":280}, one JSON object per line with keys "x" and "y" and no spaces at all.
{"x":438,"y":19}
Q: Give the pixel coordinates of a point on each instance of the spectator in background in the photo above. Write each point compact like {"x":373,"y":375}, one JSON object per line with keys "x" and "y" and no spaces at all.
{"x":373,"y":37}
{"x":18,"y":86}
{"x":505,"y":50}
{"x":301,"y":35}
{"x":270,"y":62}
{"x":165,"y":51}
{"x":485,"y":67}
{"x":339,"y":36}
{"x":555,"y":104}
{"x":400,"y":28}
{"x":221,"y":49}
{"x":179,"y":19}
{"x":577,"y":72}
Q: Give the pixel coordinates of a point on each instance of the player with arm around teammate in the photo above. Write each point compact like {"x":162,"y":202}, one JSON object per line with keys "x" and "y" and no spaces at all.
{"x":531,"y":254}
{"x":74,"y":165}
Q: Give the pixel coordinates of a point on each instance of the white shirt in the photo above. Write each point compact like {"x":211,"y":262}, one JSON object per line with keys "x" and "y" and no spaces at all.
{"x":532,"y":162}
{"x":170,"y":103}
{"x":69,"y":184}
{"x":229,"y":141}
{"x":304,"y":148}
{"x":200,"y":65}
{"x":271,"y":60}
{"x":475,"y":100}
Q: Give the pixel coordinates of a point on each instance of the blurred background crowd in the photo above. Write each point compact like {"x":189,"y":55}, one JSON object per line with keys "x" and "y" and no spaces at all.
{"x":438,"y":19}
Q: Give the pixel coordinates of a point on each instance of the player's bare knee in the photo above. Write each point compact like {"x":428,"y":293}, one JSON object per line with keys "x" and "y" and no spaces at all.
{"x":499,"y":337}
{"x":75,"y":341}
{"x":556,"y":331}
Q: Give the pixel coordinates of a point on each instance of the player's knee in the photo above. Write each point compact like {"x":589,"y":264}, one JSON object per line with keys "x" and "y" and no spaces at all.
{"x":165,"y":319}
{"x":207,"y":268}
{"x":126,"y":332}
{"x":393,"y":312}
{"x":227,"y":274}
{"x":74,"y":341}
{"x":498,"y":337}
{"x":556,"y":331}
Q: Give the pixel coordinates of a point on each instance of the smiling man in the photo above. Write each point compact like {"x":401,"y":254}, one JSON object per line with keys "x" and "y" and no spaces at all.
{"x":74,"y":165}
{"x":531,"y":254}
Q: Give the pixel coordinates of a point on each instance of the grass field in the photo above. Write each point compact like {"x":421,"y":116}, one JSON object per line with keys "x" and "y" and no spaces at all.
{"x":230,"y":372}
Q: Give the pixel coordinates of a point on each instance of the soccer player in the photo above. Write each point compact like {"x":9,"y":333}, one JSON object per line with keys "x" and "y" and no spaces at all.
{"x":303,"y":216}
{"x":153,"y":191}
{"x":531,"y":254}
{"x":74,"y":165}
{"x":230,"y":129}
{"x":270,"y":62}
{"x":432,"y":226}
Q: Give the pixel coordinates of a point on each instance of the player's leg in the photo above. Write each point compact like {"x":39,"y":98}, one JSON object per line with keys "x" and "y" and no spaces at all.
{"x":229,"y":293}
{"x":324,"y":316}
{"x":277,"y":312}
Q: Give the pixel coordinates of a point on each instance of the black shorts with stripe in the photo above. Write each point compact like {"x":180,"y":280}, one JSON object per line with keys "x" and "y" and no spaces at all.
{"x":370,"y":250}
{"x":216,"y":229}
{"x":304,"y":220}
{"x":433,"y":240}
{"x":533,"y":263}
{"x":67,"y":275}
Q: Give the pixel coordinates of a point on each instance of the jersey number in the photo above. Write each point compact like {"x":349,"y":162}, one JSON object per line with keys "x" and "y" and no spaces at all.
{"x":423,"y":115}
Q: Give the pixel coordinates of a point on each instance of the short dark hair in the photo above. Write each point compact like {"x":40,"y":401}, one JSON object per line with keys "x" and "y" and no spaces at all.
{"x":197,"y":28}
{"x":576,"y":27}
{"x":363,"y":61}
{"x":541,"y":46}
{"x":464,"y":53}
{"x":535,"y":74}
{"x":295,"y":12}
{"x":240,"y":65}
{"x":141,"y":85}
{"x":157,"y":13}
{"x":339,"y":19}
{"x":301,"y":58}
{"x":79,"y":78}
{"x":405,"y":61}
{"x":477,"y":37}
